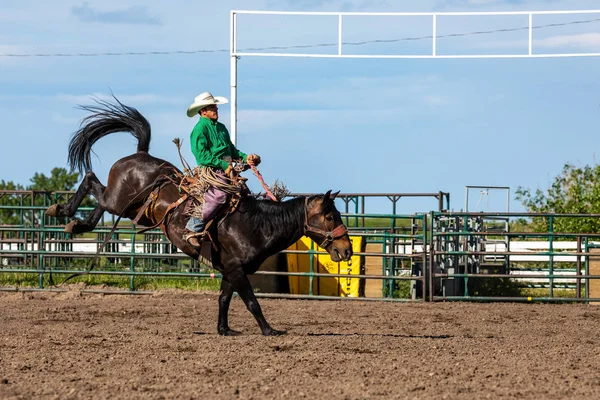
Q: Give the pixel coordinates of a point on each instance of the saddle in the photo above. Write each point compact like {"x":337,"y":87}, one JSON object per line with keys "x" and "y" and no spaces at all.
{"x":193,"y":185}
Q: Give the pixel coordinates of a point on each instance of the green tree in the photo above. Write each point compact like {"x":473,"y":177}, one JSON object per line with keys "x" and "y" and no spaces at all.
{"x":575,"y":190}
{"x":8,"y":215}
{"x":60,"y":180}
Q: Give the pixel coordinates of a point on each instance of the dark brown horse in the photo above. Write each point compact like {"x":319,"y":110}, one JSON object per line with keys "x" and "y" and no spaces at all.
{"x":257,"y":229}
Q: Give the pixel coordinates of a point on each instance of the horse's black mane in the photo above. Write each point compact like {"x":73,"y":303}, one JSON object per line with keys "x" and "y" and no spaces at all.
{"x":284,"y":213}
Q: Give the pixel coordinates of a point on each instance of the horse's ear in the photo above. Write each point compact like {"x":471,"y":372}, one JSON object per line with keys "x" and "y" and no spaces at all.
{"x":333,"y":196}
{"x":326,"y":196}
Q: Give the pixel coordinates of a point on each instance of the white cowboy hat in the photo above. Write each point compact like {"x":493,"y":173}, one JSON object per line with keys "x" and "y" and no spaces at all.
{"x":203,"y":100}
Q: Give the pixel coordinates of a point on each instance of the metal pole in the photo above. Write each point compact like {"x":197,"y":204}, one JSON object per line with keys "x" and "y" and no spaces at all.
{"x":551,"y":253}
{"x":578,"y":268}
{"x":530,"y":33}
{"x":434,"y":34}
{"x":233,"y":79}
{"x":430,"y":277}
{"x":586,"y":266}
{"x":340,"y":35}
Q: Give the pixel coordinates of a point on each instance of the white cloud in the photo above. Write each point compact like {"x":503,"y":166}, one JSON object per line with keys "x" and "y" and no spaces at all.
{"x":130,"y":15}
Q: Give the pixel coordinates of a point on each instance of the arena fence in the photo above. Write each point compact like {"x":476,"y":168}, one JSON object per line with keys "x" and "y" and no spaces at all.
{"x":434,"y":256}
{"x":31,"y":243}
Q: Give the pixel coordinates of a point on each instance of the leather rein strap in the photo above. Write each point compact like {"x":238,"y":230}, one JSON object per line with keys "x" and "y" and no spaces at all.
{"x":328,"y":236}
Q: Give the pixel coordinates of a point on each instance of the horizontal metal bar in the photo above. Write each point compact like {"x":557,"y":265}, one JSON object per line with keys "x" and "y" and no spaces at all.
{"x":262,"y":295}
{"x":517,"y":299}
{"x":348,"y":276}
{"x":116,"y":273}
{"x":376,"y":194}
{"x":508,"y":214}
{"x":340,"y":298}
{"x":413,"y":14}
{"x":417,"y":56}
{"x":520,"y":276}
{"x":517,"y":234}
{"x":88,"y":291}
{"x":207,"y":275}
{"x":178,"y":255}
{"x":516,"y":253}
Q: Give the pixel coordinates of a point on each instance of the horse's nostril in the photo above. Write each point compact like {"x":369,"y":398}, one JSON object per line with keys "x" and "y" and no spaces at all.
{"x":348,"y":253}
{"x":337,"y":253}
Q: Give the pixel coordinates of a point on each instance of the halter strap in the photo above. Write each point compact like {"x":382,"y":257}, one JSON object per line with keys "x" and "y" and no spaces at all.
{"x":328,"y":236}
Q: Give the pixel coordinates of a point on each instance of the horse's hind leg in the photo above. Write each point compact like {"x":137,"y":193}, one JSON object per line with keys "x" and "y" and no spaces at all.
{"x":86,"y":225}
{"x":90,"y":184}
{"x":242,"y":286}
{"x":224,"y":300}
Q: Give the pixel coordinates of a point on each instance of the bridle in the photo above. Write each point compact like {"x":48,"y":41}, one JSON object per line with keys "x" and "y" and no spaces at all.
{"x":328,"y":236}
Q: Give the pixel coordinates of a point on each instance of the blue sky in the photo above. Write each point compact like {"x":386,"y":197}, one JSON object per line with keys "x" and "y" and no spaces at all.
{"x":352,"y":125}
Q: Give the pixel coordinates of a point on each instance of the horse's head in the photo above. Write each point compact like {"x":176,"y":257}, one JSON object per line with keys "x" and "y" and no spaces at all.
{"x":323,"y":224}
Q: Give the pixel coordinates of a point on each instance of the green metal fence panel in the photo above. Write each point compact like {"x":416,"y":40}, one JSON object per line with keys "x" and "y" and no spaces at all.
{"x":44,"y":248}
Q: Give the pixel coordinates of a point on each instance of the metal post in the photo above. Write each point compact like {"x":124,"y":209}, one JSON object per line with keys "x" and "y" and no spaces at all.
{"x":551,"y":252}
{"x":430,"y":277}
{"x":340,"y":35}
{"x":41,"y":247}
{"x":424,"y":267}
{"x":530,"y":33}
{"x":356,"y":200}
{"x":586,"y":266}
{"x":434,"y":35}
{"x":578,"y":268}
{"x":132,"y":261}
{"x":362,"y":210}
{"x":311,"y":264}
{"x":233,"y":79}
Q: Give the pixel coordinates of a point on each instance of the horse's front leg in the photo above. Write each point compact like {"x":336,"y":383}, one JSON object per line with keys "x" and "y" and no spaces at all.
{"x":241,"y":285}
{"x":224,"y":300}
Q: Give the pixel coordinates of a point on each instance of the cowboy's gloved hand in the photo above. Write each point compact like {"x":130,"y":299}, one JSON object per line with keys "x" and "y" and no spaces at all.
{"x":230,"y":172}
{"x":253,"y":160}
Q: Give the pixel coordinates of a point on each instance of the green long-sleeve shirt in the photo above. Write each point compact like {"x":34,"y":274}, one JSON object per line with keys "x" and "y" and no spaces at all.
{"x":211,"y":143}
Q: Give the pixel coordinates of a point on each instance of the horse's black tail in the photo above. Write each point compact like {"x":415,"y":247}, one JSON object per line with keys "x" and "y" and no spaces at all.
{"x":106,"y":118}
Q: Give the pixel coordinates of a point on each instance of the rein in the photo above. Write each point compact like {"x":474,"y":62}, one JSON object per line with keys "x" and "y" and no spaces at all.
{"x":262,"y":182}
{"x":329,"y":236}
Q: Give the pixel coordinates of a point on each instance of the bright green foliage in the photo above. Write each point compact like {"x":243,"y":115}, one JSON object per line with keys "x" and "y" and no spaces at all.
{"x":9,"y":217}
{"x":59,"y":180}
{"x":574,"y":191}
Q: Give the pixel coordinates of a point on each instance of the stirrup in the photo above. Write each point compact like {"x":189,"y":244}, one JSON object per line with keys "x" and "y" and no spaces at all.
{"x":199,"y":236}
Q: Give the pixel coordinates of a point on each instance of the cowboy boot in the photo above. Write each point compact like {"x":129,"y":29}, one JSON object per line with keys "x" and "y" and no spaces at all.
{"x":195,"y":226}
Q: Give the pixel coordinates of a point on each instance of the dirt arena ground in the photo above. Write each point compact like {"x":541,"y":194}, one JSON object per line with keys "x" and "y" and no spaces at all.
{"x":81,"y":346}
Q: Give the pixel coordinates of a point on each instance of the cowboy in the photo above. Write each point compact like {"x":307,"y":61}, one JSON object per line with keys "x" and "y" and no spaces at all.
{"x":212,"y":147}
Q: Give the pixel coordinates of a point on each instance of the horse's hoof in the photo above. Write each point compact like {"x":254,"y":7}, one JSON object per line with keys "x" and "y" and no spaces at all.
{"x":229,"y":332}
{"x":274,"y":332}
{"x":52,"y":211}
{"x":71,"y":227}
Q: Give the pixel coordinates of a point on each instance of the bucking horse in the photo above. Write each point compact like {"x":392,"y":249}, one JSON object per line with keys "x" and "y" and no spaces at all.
{"x":242,"y":240}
